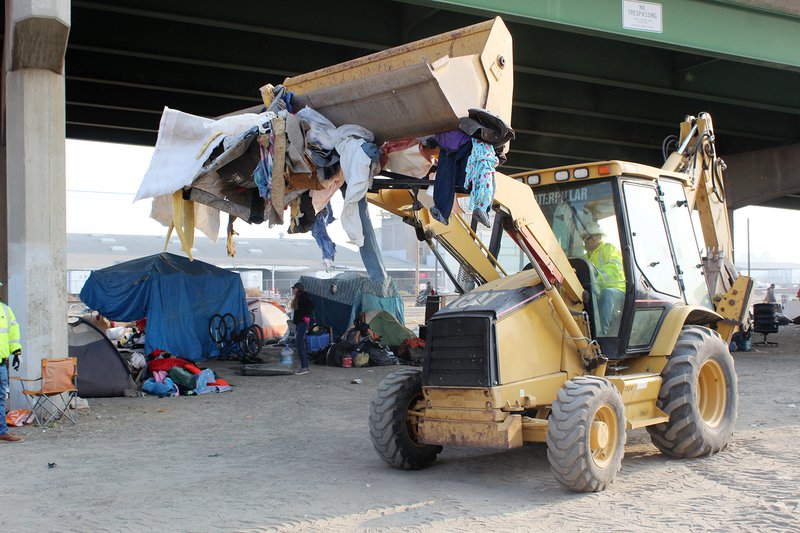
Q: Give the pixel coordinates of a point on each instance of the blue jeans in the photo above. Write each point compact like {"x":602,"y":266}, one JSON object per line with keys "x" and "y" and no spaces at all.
{"x":300,"y":340}
{"x":610,"y":309}
{"x":370,"y":251}
{"x":3,"y":390}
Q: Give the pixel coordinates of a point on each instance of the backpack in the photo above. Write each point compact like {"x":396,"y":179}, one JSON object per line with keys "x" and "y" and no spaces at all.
{"x":379,"y":355}
{"x":320,"y":357}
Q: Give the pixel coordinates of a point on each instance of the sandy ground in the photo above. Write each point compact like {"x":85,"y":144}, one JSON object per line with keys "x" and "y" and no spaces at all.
{"x":293,"y":453}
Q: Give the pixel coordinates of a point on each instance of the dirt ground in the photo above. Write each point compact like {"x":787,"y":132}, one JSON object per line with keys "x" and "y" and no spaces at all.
{"x":292,"y":453}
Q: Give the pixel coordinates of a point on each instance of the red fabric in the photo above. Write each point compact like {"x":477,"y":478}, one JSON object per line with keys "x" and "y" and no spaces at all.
{"x":219,"y":383}
{"x":411,"y":342}
{"x":141,"y":324}
{"x":192,"y":369}
{"x":165,"y":364}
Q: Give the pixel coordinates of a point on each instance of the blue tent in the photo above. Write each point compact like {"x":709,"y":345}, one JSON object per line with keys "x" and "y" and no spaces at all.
{"x":354,"y":293}
{"x":177,"y":296}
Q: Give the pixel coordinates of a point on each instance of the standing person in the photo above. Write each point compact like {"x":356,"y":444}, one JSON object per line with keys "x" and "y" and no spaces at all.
{"x":422,"y":297}
{"x":10,"y":348}
{"x":303,"y":307}
{"x":770,"y":296}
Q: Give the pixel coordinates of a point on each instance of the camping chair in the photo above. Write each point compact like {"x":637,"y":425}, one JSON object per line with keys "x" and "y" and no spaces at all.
{"x":58,"y":390}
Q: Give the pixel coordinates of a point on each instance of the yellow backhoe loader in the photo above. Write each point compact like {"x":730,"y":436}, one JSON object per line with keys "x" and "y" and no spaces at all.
{"x":592,"y":309}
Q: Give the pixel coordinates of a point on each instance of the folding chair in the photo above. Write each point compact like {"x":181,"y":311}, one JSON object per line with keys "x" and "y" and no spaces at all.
{"x":57,"y":392}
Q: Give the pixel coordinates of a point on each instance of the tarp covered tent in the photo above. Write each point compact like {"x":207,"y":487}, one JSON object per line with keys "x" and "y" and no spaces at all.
{"x":102,"y":373}
{"x":178,"y":297}
{"x":354,"y":293}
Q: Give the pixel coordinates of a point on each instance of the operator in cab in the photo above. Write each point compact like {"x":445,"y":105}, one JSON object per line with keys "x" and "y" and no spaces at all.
{"x":610,"y":276}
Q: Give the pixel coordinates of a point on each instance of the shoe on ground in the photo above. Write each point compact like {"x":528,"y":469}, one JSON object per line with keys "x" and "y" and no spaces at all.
{"x":302,"y":371}
{"x":8,"y":437}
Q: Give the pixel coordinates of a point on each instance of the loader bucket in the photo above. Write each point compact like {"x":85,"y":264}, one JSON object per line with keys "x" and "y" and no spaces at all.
{"x":418,"y":88}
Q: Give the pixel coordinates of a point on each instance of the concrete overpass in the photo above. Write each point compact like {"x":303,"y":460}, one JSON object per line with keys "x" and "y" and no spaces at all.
{"x":595,"y":79}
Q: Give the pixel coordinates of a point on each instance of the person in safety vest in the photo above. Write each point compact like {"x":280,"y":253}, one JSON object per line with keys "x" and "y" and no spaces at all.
{"x":10,"y":348}
{"x":609,"y":275}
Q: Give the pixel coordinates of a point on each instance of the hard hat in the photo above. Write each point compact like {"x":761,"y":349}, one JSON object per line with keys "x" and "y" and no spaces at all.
{"x":591,"y":228}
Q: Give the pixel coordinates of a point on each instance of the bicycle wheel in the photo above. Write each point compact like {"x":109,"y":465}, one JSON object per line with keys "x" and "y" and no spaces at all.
{"x":230,"y":327}
{"x":251,"y":341}
{"x":218,"y":330}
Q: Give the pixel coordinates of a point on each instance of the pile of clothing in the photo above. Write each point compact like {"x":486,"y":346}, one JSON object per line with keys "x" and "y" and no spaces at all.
{"x":256,"y":167}
{"x":173,"y":376}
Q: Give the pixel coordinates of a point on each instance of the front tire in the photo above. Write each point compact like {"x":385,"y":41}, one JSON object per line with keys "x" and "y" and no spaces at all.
{"x":586,"y":434}
{"x":699,"y":393}
{"x":394,"y":418}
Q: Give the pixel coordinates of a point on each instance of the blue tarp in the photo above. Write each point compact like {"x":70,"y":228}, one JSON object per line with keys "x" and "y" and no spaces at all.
{"x":355,"y":293}
{"x":177,"y":296}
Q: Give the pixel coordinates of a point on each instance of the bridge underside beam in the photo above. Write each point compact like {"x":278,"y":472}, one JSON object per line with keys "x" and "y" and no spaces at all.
{"x":766,"y":31}
{"x":769,"y":177}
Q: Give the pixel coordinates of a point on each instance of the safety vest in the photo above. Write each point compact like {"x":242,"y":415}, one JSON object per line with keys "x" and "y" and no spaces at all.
{"x":608,"y":262}
{"x":9,"y":332}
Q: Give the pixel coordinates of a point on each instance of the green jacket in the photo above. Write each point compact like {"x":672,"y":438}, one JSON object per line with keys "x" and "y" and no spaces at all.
{"x":9,"y":332}
{"x":608,"y":262}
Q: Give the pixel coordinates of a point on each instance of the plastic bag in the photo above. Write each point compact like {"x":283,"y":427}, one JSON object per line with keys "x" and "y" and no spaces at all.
{"x":361,"y":360}
{"x":138,"y":360}
{"x":165,"y":388}
{"x":202,"y":380}
{"x":379,"y":355}
{"x":19,"y":417}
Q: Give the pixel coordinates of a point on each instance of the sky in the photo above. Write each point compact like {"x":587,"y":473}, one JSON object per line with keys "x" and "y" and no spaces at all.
{"x":102,"y":179}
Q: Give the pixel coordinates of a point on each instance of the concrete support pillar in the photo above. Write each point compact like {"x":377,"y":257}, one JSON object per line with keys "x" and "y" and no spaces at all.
{"x":34,"y":133}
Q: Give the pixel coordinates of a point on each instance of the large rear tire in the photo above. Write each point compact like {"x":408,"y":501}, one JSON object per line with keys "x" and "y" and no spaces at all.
{"x":699,"y":393}
{"x":586,"y":434}
{"x":394,"y":418}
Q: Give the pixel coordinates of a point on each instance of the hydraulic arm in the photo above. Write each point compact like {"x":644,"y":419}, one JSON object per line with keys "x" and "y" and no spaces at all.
{"x":705,"y":191}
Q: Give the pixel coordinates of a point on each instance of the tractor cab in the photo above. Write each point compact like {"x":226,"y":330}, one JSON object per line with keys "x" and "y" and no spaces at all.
{"x":628,"y":233}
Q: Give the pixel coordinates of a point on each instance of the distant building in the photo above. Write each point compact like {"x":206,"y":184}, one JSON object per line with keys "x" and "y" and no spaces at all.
{"x":783,"y":275}
{"x":267,"y":264}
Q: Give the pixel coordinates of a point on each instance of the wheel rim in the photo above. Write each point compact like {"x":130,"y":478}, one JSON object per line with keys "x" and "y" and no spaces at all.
{"x":711,"y":393}
{"x":604,"y":438}
{"x":415,"y":406}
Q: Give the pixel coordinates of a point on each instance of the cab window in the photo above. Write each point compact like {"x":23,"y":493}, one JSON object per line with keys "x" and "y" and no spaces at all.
{"x":583,"y":217}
